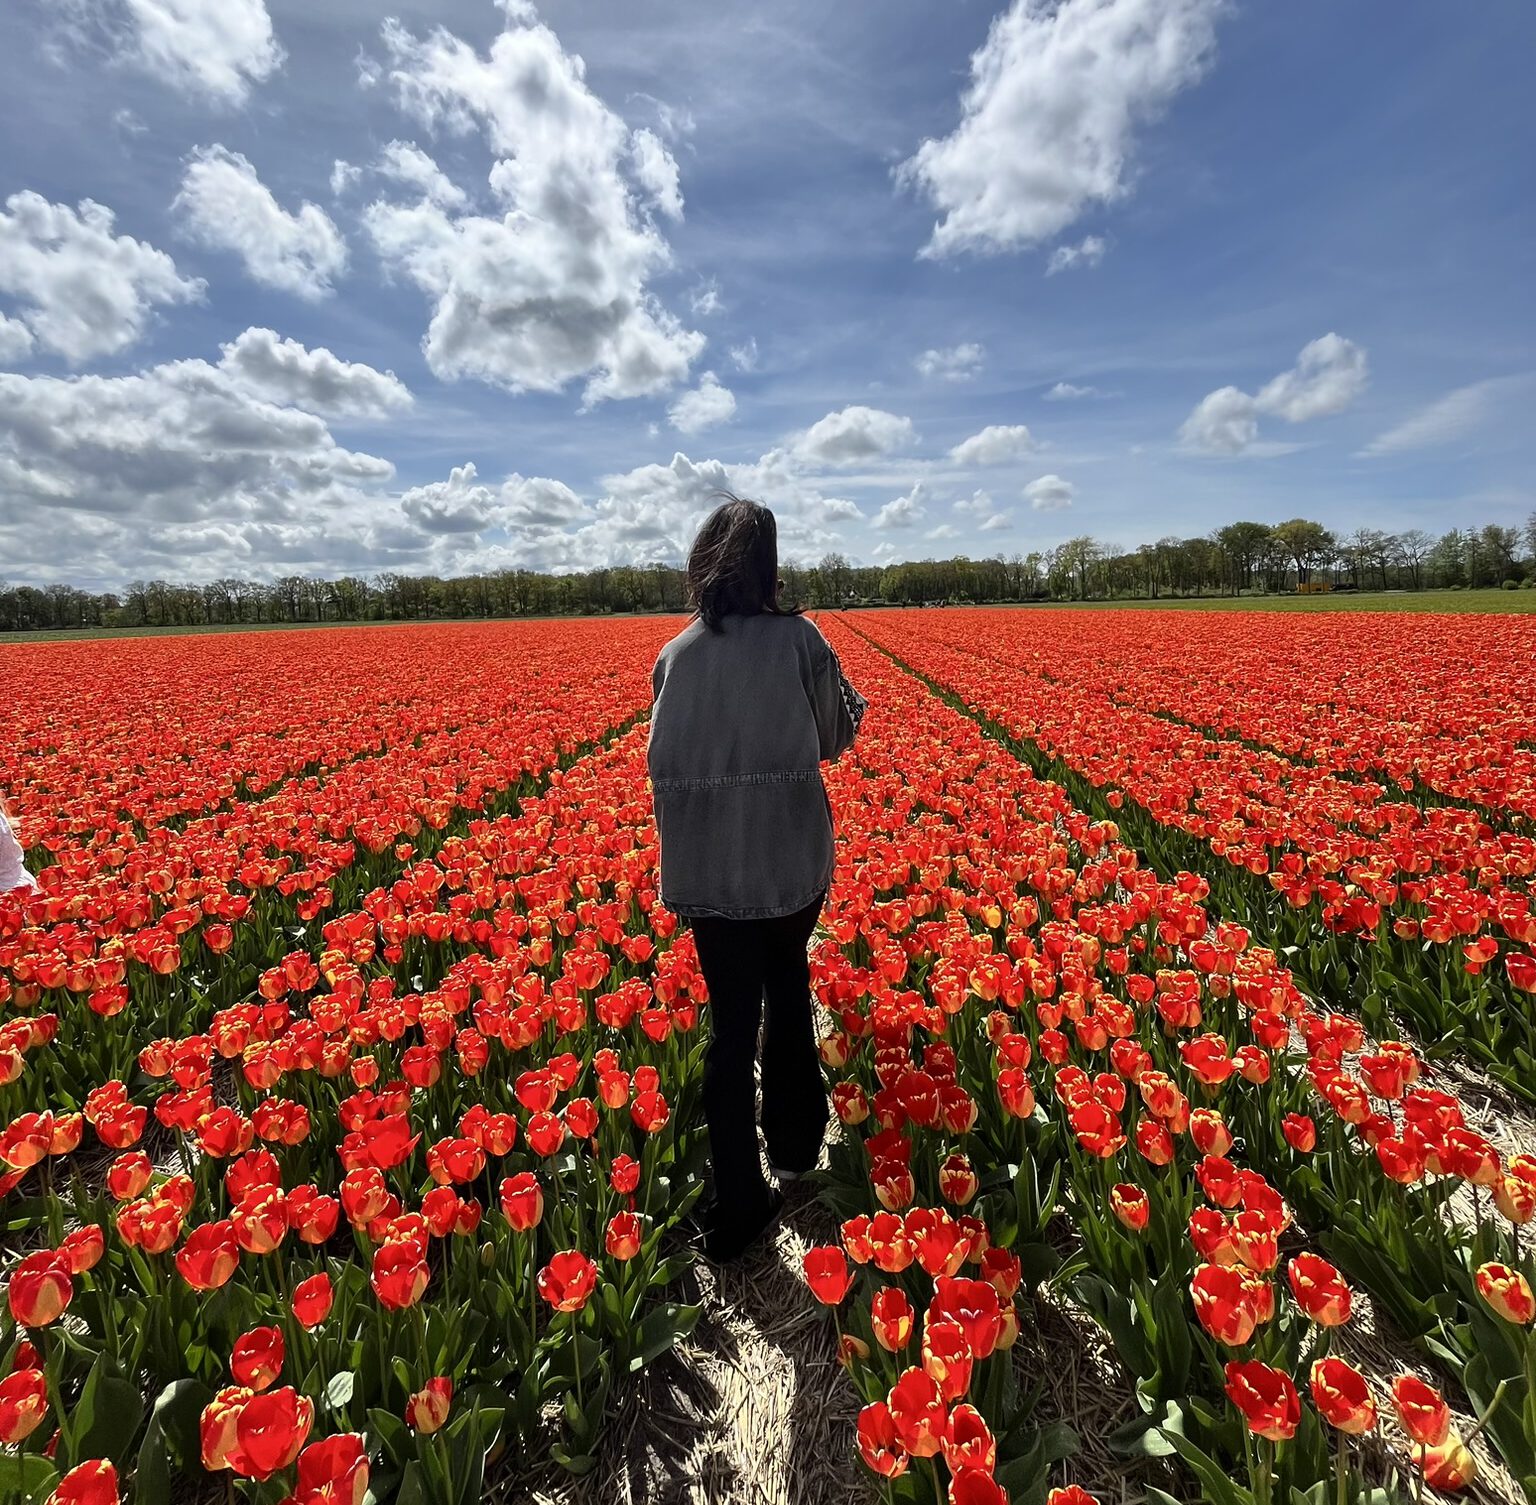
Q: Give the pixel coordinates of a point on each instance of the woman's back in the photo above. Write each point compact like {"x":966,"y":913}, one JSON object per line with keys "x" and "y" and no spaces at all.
{"x":743,"y":717}
{"x":737,"y":701}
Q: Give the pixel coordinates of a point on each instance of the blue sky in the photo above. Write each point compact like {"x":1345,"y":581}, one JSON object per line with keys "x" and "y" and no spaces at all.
{"x":495,"y":284}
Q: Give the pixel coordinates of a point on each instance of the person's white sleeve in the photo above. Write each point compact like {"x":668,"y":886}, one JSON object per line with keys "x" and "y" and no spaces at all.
{"x":13,"y":868}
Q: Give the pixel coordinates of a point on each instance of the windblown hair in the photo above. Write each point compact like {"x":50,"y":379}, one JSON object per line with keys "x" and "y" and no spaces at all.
{"x":733,"y":567}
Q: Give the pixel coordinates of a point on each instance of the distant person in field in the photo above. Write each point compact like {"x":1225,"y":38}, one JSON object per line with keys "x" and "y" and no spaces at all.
{"x":13,"y":867}
{"x":749,"y":701}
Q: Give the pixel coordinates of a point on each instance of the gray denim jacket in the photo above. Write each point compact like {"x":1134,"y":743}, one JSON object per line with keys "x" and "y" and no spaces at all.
{"x":742,"y":719}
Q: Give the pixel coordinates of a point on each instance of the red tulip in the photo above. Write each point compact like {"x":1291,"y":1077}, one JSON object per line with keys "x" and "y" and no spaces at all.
{"x":947,"y":1358}
{"x":128,"y":1175}
{"x":23,"y":1404}
{"x":879,"y":1444}
{"x":522,"y":1201}
{"x":972,"y":1486}
{"x":217,"y":1426}
{"x":625,"y":1235}
{"x":1319,"y":1290}
{"x":257,"y":1357}
{"x":269,"y":1432}
{"x":568,"y":1280}
{"x":826,"y":1273}
{"x":399,"y":1275}
{"x":92,"y":1483}
{"x":333,"y":1471}
{"x":969,"y":1442}
{"x":1225,"y":1303}
{"x":974,"y":1305}
{"x":210,"y":1256}
{"x":82,"y":1249}
{"x":1300,"y":1133}
{"x":1422,"y":1410}
{"x":891,"y":1316}
{"x":40,"y":1288}
{"x":918,"y":1412}
{"x":1130,"y":1204}
{"x":1448,"y":1465}
{"x":312,"y":1300}
{"x":1342,"y":1397}
{"x":1266,"y":1397}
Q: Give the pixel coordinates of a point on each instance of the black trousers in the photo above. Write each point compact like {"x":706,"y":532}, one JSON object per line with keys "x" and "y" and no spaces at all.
{"x":745,"y":962}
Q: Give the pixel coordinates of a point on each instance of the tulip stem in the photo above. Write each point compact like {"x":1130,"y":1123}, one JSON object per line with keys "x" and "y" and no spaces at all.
{"x":1341,"y":1472}
{"x":1493,"y":1405}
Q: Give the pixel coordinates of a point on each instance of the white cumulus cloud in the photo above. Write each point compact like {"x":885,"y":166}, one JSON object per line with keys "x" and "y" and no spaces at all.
{"x":1224,"y":422}
{"x":1329,"y":374}
{"x":655,"y":170}
{"x":406,"y":163}
{"x":705,"y":299}
{"x":1088,"y":252}
{"x":178,"y":443}
{"x":957,"y":363}
{"x":1065,"y":391}
{"x":458,"y":505}
{"x":705,"y":406}
{"x":84,"y":290}
{"x":226,"y":206}
{"x":1050,"y":493}
{"x":996,"y":443}
{"x":902,"y":511}
{"x":214,"y":49}
{"x":555,"y":287}
{"x":285,"y":372}
{"x":853,"y":434}
{"x":1048,"y":121}
{"x":16,"y":341}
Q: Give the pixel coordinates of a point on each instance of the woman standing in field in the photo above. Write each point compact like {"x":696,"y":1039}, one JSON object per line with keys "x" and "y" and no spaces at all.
{"x":749,"y":699}
{"x":13,"y":869}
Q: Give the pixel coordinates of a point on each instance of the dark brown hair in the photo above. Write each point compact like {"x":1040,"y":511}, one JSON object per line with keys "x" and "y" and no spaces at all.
{"x":733,"y":567}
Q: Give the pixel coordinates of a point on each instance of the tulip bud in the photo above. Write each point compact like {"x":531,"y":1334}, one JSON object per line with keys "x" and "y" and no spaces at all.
{"x":427,"y":1409}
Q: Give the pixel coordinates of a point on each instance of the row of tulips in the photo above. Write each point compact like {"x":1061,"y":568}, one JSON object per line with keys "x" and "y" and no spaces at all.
{"x":940,"y":1043}
{"x":1399,"y":909}
{"x":1436,"y":707}
{"x":1382,"y":1191}
{"x":168,"y":922}
{"x":399,"y":1179}
{"x":381,"y":1215}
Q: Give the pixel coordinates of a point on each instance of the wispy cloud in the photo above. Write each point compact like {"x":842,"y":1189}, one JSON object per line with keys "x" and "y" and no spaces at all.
{"x":1450,"y":417}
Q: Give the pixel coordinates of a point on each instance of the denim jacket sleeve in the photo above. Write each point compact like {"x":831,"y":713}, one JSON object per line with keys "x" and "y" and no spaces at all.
{"x":838,"y":706}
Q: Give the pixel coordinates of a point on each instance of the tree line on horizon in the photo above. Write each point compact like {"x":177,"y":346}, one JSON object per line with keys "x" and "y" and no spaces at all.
{"x":1242,"y":558}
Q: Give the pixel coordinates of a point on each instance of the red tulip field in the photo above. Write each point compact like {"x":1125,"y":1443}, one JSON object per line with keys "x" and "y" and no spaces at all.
{"x":1180,"y":968}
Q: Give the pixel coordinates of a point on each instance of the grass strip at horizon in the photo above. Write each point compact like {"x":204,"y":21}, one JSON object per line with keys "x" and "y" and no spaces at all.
{"x":981,"y":926}
{"x":1388,"y":907}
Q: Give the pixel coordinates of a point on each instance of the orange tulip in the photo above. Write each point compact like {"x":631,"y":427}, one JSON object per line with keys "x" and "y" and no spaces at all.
{"x":428,"y":1408}
{"x":1342,"y":1397}
{"x":1508,"y":1292}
